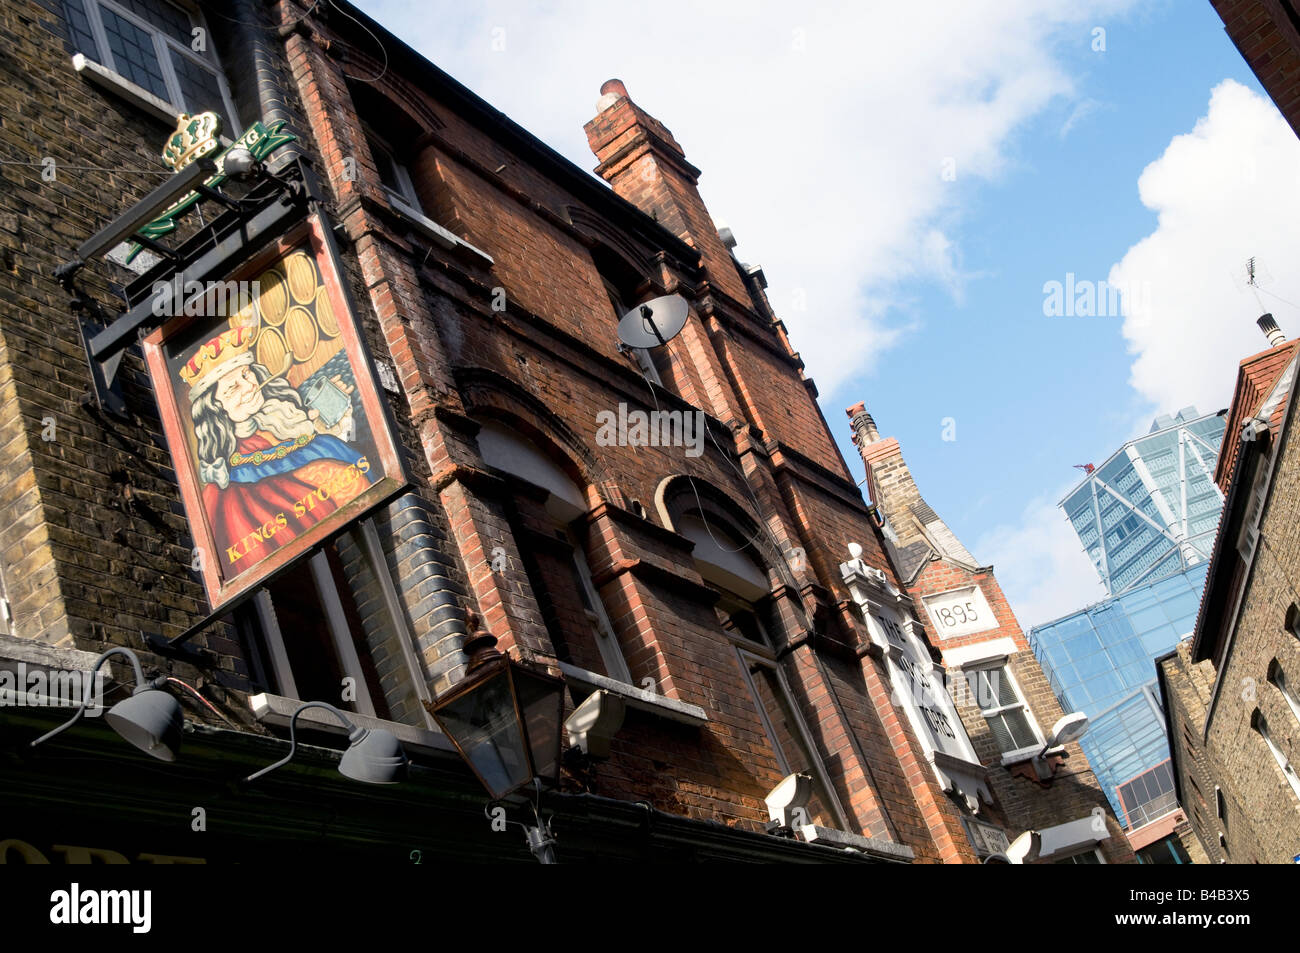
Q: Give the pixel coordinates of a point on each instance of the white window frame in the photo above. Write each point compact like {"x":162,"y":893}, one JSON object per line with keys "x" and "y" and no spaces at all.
{"x":647,"y":364}
{"x":746,"y":656}
{"x":272,"y":638}
{"x":1101,"y":858}
{"x":164,"y":44}
{"x":405,"y":192}
{"x":611,"y":653}
{"x":1283,"y":762}
{"x":1279,"y":681}
{"x":406,"y":201}
{"x":1248,"y":537}
{"x":971,"y":672}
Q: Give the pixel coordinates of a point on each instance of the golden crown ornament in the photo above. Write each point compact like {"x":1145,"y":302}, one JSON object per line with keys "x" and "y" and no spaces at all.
{"x":194,"y":138}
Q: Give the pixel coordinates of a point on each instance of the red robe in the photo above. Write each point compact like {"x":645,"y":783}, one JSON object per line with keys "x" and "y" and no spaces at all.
{"x":252,"y":520}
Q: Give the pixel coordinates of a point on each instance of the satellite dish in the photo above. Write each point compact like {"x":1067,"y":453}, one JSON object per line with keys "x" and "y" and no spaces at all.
{"x":654,"y":323}
{"x":1070,"y":728}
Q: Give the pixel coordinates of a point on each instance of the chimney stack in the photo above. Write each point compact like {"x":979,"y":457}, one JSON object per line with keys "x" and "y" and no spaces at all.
{"x":1271,"y":330}
{"x":864,"y":427}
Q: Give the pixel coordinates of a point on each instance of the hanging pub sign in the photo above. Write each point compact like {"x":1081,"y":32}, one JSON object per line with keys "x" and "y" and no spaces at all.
{"x":275,"y":426}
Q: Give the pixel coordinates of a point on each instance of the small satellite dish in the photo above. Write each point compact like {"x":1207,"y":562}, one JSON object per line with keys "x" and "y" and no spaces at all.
{"x":654,"y":323}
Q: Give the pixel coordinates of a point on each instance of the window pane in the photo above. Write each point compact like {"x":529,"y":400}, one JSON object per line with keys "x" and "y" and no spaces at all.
{"x":1006,"y":691}
{"x":1018,"y":727}
{"x":1001,"y":734}
{"x":133,"y":53}
{"x":788,"y":741}
{"x":386,"y":166}
{"x":162,"y":15}
{"x":200,"y":90}
{"x":83,"y":40}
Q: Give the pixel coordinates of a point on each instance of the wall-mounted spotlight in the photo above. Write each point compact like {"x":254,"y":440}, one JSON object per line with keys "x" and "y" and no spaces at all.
{"x":1025,"y":848}
{"x":374,"y":755}
{"x":150,"y":719}
{"x":787,"y":800}
{"x":1069,"y":728}
{"x":595,"y":722}
{"x":238,"y":162}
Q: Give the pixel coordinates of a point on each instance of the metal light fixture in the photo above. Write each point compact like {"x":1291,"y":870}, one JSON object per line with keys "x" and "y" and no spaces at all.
{"x":150,"y":719}
{"x":1069,"y":728}
{"x":374,"y":755}
{"x":239,"y":162}
{"x":503,"y":718}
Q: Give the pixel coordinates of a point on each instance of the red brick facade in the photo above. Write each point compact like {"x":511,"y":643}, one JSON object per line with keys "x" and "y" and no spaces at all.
{"x":506,"y":324}
{"x":931,"y":561}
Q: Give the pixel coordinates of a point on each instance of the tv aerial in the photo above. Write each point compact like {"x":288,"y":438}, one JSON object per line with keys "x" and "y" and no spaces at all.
{"x":654,"y":323}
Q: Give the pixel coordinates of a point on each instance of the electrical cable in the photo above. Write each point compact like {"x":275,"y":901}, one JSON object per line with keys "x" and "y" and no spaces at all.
{"x":382,"y":48}
{"x":195,"y":693}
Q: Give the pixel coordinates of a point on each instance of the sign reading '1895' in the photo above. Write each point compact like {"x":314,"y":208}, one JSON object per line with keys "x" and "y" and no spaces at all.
{"x":960,"y":612}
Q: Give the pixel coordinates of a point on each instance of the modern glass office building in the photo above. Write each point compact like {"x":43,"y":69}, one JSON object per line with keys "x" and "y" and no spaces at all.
{"x":1101,"y":661}
{"x":1152,"y":508}
{"x":1147,"y":518}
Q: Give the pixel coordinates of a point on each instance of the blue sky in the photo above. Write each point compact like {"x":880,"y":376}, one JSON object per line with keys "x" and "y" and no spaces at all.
{"x":824,"y":133}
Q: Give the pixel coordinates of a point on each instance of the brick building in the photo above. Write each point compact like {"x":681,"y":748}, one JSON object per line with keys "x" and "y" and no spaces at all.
{"x":1230,"y":699}
{"x":1006,"y":707}
{"x":726,"y":584}
{"x":1267,"y":34}
{"x":702,"y":584}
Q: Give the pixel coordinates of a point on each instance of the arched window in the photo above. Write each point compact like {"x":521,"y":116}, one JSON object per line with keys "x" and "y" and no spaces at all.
{"x":1260,"y":724}
{"x":549,"y":537}
{"x":1277,"y":676}
{"x":728,"y":557}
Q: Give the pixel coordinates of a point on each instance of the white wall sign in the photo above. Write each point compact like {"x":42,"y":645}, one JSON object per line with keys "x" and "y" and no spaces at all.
{"x":960,"y":612}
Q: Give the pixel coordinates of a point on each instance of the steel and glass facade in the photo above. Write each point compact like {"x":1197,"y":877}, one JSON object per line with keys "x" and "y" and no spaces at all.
{"x":1152,"y":508}
{"x":1101,"y":661}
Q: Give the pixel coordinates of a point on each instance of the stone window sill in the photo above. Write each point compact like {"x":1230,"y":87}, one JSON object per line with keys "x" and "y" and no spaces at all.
{"x":831,"y":837}
{"x":136,"y":95}
{"x":638,"y":698}
{"x":433,"y":231}
{"x":119,"y":85}
{"x":1028,"y":754}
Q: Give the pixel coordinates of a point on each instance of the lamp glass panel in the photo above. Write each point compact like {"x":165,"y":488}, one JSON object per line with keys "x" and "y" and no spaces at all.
{"x":483,"y":723}
{"x":541,"y":701}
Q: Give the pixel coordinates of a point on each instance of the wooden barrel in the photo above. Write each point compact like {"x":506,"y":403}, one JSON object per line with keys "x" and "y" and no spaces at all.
{"x":273,"y":296}
{"x":271,"y":349}
{"x":300,"y":333}
{"x":325,"y":317}
{"x":301,"y":272}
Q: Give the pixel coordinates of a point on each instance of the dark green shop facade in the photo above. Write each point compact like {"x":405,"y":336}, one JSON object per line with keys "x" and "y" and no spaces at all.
{"x":88,"y":797}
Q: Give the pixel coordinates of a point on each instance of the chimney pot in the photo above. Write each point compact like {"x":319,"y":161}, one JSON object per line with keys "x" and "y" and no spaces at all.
{"x":864,"y":427}
{"x":614,"y":86}
{"x":1271,"y":331}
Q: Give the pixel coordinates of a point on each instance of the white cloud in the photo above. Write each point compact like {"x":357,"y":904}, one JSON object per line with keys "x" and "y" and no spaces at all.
{"x":821,"y":130}
{"x":1082,"y":110}
{"x":1040,"y":564}
{"x":1226,"y":191}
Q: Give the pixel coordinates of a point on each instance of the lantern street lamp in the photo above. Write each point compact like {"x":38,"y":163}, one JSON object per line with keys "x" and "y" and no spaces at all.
{"x":505,"y":720}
